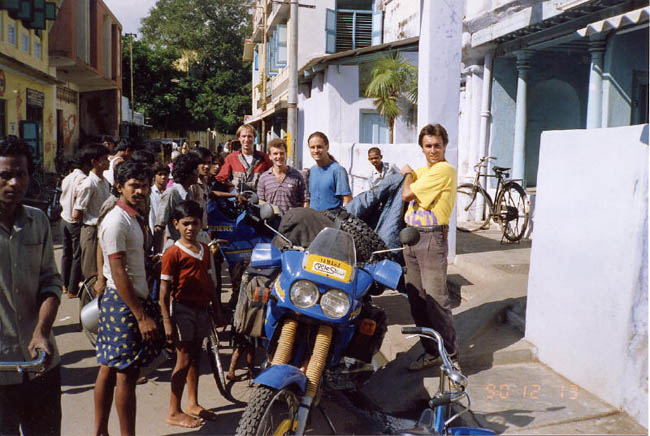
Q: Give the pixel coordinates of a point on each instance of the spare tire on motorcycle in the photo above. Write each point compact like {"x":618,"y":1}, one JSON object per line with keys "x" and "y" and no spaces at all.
{"x":301,"y":225}
{"x":366,"y":240}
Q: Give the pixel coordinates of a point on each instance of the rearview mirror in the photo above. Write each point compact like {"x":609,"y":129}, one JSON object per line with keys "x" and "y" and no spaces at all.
{"x":409,"y":236}
{"x":266,"y":211}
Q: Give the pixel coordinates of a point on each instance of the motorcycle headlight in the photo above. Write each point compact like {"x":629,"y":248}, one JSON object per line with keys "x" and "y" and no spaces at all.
{"x":335,"y":303}
{"x":304,"y":294}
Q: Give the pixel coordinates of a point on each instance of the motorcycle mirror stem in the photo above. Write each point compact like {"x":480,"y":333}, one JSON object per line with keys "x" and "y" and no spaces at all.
{"x":267,"y":212}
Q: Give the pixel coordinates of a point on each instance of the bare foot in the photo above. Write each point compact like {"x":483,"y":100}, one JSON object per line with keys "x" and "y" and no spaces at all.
{"x":201,"y":412}
{"x":184,"y":420}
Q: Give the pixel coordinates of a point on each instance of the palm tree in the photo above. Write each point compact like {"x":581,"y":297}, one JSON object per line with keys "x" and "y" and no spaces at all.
{"x":392,"y":78}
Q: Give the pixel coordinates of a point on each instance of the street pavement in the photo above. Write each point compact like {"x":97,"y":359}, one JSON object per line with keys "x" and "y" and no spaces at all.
{"x":511,"y":391}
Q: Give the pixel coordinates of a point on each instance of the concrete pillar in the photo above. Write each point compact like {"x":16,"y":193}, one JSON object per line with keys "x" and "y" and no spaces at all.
{"x":439,"y":59}
{"x":464,"y":141}
{"x":486,"y":103}
{"x":519,"y":149}
{"x":475,"y":118}
{"x":595,"y":97}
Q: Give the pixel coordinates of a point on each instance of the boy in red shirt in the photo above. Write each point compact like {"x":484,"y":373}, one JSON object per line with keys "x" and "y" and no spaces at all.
{"x":185,"y":275}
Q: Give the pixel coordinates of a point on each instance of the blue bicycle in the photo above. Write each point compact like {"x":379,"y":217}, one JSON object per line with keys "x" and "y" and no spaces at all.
{"x":437,"y":418}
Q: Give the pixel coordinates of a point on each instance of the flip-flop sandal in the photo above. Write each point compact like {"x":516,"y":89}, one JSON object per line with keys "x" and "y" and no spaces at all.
{"x":206,"y":415}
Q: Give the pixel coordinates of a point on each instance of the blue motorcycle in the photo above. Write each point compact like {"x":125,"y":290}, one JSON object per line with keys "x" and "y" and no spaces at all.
{"x":236,"y":229}
{"x":318,"y":320}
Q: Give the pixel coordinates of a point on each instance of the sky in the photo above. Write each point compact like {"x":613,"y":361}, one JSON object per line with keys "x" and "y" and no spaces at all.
{"x":129,"y":12}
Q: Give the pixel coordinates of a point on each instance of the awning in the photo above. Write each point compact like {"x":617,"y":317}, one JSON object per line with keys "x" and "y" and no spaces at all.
{"x":637,"y":16}
{"x":280,"y":105}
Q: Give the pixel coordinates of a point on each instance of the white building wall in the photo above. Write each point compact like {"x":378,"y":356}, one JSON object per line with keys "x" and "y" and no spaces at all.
{"x":401,"y":19}
{"x":311,"y":31}
{"x":587,"y":309}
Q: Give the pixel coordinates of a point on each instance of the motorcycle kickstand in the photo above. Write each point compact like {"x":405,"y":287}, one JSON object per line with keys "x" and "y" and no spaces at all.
{"x":327,"y":418}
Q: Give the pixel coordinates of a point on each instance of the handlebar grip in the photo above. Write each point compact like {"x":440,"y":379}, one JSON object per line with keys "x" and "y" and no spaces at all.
{"x":411,"y":330}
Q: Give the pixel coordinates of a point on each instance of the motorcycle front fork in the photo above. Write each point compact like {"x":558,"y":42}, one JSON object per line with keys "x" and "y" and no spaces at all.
{"x":315,"y":366}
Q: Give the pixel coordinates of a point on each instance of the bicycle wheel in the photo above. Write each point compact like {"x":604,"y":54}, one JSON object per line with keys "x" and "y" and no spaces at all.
{"x":473,"y":208}
{"x":512,"y":211}
{"x":86,"y":295}
{"x":216,"y":360}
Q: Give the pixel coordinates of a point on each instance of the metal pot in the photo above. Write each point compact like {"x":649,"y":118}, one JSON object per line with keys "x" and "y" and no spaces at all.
{"x":90,"y":315}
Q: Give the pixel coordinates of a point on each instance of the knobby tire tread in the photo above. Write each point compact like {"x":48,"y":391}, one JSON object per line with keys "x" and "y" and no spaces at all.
{"x":366,"y":240}
{"x":252,"y":416}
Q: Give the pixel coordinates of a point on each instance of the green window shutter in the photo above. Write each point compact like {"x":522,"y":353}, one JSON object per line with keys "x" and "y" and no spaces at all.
{"x":330,"y":31}
{"x":10,"y":5}
{"x":50,"y":10}
{"x":25,"y":10}
{"x":377,"y":27}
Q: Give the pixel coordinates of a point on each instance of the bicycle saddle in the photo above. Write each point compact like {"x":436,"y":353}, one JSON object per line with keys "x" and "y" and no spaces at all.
{"x":500,"y":169}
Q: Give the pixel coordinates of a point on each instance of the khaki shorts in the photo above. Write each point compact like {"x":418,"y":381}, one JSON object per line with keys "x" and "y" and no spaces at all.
{"x":192,"y":323}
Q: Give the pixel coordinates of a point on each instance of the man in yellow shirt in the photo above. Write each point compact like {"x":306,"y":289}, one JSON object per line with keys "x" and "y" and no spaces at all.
{"x":431,"y":193}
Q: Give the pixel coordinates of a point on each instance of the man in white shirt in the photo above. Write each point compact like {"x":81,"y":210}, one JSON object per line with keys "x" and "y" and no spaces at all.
{"x":94,"y":190}
{"x":185,"y":175}
{"x":122,"y":153}
{"x":379,"y":169}
{"x":160,"y":178}
{"x":71,"y":258}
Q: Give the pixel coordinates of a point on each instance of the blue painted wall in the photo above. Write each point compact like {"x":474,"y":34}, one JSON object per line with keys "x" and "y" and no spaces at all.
{"x":625,"y":54}
{"x":504,"y":96}
{"x":557,"y":100}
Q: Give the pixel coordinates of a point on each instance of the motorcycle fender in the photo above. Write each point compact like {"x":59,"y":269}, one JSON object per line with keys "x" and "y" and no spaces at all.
{"x":281,"y":376}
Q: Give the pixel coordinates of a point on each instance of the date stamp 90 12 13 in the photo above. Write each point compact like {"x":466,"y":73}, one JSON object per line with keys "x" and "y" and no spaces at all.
{"x":533,"y":392}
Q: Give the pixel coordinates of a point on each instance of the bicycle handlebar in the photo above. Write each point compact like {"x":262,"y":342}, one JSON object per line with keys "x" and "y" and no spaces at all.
{"x":29,"y":365}
{"x":454,"y":375}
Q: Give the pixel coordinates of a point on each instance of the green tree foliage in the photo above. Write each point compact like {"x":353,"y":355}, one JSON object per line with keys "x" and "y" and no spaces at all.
{"x":206,"y":37}
{"x":393,"y":78}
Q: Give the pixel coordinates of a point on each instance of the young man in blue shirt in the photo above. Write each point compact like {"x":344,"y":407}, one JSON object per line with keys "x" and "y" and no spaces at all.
{"x":328,"y":181}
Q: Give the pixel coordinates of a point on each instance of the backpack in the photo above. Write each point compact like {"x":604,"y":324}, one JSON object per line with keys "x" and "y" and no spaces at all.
{"x":251,"y":305}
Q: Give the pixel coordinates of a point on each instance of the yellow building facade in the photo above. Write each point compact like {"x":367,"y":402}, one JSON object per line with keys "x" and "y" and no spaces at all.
{"x":27,"y":86}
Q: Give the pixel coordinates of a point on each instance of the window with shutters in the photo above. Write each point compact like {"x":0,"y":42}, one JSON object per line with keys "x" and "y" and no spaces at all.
{"x":353,"y":29}
{"x":276,"y":50}
{"x":354,"y":24}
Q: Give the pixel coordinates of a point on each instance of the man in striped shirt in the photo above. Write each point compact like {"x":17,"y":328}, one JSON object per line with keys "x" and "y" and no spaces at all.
{"x":282,"y":185}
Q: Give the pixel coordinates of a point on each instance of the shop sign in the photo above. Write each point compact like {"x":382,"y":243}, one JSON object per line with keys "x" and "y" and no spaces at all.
{"x":35,"y":98}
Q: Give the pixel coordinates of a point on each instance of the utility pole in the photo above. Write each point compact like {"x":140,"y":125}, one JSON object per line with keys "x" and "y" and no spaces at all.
{"x":292,"y":97}
{"x":131,"y":37}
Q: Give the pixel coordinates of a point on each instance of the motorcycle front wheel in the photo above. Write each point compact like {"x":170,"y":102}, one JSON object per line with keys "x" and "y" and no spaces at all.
{"x":270,"y":412}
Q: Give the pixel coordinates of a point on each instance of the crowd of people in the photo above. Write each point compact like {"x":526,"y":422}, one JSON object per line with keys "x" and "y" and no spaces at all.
{"x":122,"y":207}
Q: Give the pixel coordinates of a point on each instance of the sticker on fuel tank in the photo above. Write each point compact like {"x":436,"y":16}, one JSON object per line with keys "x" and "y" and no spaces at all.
{"x":328,"y":267}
